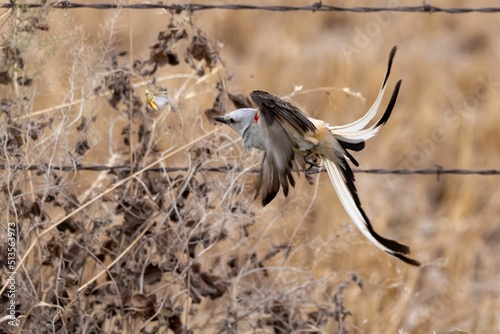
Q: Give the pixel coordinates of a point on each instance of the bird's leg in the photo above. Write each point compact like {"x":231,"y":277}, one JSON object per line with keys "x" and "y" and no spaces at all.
{"x":313,"y":168}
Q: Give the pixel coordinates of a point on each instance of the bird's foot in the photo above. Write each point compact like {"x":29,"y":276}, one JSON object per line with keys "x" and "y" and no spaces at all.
{"x":311,"y":158}
{"x":313,"y":168}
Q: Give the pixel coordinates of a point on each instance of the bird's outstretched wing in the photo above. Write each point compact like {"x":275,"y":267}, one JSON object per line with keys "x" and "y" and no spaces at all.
{"x":277,"y":118}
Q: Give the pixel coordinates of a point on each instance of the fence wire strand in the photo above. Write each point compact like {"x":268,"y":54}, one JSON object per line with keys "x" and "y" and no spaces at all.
{"x":194,"y":7}
{"x":437,"y":170}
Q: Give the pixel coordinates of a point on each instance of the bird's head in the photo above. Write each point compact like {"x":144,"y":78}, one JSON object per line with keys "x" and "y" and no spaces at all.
{"x":239,"y":120}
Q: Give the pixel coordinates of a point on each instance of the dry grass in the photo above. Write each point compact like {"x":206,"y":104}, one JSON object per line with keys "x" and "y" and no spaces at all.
{"x":162,"y":252}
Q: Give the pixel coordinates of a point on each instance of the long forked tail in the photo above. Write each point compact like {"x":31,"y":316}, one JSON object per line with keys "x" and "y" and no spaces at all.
{"x":370,"y":114}
{"x":352,"y":137}
{"x":342,"y":179}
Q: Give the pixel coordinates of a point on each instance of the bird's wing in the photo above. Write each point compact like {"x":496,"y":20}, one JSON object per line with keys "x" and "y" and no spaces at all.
{"x":277,"y":118}
{"x":342,"y":179}
{"x":273,"y":108}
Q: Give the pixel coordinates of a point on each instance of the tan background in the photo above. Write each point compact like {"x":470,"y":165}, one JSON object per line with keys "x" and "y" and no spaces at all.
{"x":446,"y":115}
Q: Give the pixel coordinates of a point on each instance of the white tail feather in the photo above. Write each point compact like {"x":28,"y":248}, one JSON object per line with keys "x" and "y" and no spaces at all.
{"x":357,"y":135}
{"x":349,"y":205}
{"x":363,"y":121}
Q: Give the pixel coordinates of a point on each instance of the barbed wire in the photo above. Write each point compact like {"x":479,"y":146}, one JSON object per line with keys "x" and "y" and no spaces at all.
{"x":194,"y":7}
{"x":437,"y":170}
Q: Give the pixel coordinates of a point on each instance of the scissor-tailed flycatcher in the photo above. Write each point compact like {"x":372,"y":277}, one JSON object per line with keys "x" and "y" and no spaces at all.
{"x":281,"y":131}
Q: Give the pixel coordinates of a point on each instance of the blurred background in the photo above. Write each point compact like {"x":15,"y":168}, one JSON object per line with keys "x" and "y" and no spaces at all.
{"x":446,"y":115}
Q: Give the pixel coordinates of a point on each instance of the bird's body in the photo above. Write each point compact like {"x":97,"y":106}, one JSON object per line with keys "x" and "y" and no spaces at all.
{"x":284,"y":133}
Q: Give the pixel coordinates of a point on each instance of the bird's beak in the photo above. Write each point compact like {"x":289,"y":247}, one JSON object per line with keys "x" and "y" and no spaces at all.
{"x":220,"y":119}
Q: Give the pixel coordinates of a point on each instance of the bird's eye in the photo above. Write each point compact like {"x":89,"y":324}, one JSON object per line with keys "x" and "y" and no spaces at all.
{"x":232,"y":121}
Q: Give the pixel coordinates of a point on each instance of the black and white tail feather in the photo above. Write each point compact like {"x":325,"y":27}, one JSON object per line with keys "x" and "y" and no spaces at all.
{"x":352,"y":137}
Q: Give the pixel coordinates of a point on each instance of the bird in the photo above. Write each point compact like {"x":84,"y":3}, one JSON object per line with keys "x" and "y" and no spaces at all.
{"x":285,"y":134}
